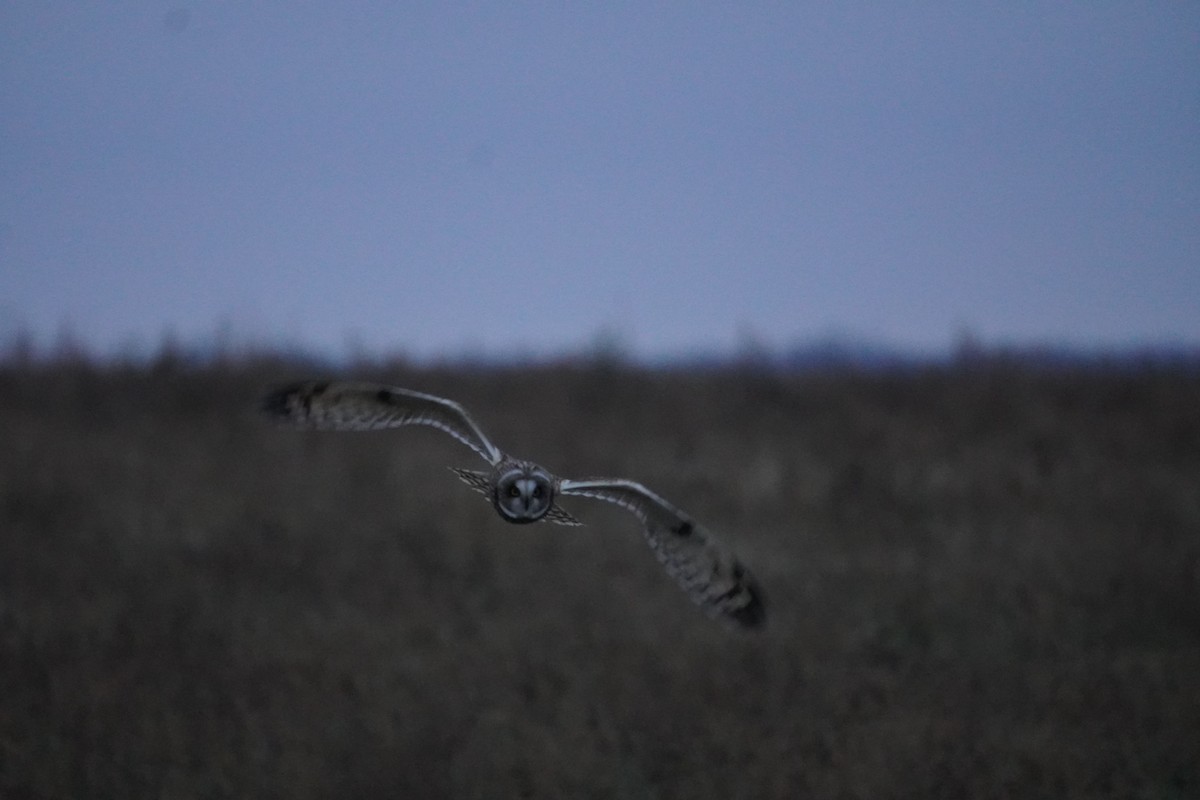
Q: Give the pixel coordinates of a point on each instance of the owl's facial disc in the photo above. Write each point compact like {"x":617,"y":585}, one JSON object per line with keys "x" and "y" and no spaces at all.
{"x":523,"y":495}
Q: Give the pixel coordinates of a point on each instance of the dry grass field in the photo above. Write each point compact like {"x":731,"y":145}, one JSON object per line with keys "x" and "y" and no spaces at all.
{"x":982,"y":582}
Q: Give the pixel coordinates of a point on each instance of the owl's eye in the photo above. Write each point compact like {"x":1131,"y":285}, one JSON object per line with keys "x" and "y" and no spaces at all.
{"x":537,"y":491}
{"x":513,"y":491}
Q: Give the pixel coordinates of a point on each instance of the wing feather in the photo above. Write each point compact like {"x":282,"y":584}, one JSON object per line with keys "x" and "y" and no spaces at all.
{"x":338,"y":405}
{"x":710,"y":574}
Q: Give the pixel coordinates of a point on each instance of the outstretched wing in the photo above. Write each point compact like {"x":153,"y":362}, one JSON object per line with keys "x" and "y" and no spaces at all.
{"x":367,"y":406}
{"x":711,"y":575}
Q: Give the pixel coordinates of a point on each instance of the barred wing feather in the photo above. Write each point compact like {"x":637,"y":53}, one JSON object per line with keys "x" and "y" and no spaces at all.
{"x":339,"y":405}
{"x":711,"y":575}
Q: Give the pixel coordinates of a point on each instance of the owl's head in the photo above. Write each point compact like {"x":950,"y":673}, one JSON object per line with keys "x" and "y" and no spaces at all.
{"x":524,"y":494}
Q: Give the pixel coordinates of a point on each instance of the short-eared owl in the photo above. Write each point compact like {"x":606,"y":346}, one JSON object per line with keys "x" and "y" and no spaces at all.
{"x":523,"y":492}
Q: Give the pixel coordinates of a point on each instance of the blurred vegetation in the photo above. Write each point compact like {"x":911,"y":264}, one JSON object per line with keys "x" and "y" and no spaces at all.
{"x":982,"y":579}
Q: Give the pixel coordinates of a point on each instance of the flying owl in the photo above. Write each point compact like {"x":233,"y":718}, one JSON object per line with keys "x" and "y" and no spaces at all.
{"x":524,"y":492}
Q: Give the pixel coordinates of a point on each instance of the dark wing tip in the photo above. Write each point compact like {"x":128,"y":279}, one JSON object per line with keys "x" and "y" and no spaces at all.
{"x":281,"y":403}
{"x":753,"y":613}
{"x":277,"y":402}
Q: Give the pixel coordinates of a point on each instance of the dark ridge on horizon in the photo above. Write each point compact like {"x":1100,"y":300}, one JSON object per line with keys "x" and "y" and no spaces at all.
{"x":826,"y":353}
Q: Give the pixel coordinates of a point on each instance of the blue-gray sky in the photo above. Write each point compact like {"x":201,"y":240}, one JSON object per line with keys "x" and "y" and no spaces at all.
{"x":436,"y":178}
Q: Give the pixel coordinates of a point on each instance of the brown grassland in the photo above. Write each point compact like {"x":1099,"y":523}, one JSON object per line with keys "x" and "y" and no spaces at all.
{"x":981,"y":582}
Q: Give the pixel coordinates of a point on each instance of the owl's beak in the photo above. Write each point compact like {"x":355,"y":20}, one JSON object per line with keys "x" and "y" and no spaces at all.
{"x":526,"y":487}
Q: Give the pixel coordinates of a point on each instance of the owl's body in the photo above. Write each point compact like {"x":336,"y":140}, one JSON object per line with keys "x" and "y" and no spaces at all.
{"x":524,"y":492}
{"x":520,"y":491}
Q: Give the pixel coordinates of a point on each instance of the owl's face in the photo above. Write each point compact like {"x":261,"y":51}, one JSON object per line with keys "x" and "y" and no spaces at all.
{"x":524,"y":494}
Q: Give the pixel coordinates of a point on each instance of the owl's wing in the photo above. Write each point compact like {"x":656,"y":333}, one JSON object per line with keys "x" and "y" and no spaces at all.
{"x":709,"y":574}
{"x":367,"y":406}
